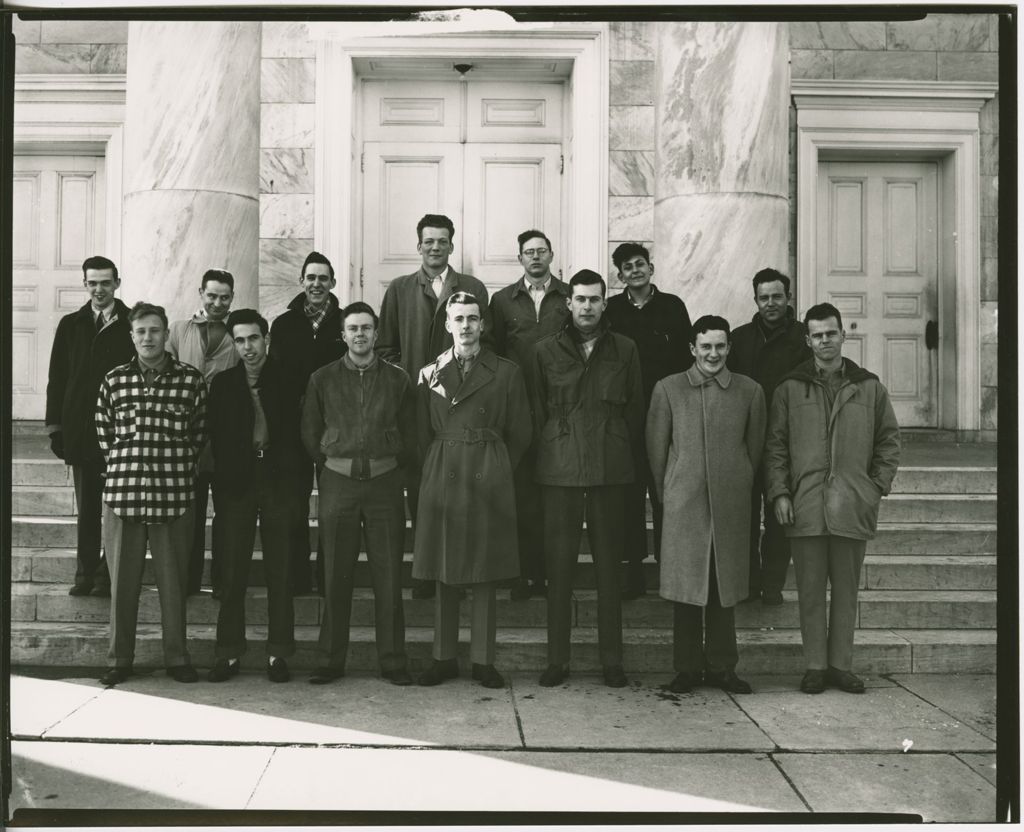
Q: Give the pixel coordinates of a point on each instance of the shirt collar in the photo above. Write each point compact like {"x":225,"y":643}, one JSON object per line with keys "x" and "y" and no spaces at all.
{"x":346,"y":359}
{"x":650,"y":297}
{"x":821,"y":372}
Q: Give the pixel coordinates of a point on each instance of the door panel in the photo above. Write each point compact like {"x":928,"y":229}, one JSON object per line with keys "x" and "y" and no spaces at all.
{"x":415,"y":111}
{"x":499,"y":112}
{"x":878,"y":264}
{"x":58,"y":222}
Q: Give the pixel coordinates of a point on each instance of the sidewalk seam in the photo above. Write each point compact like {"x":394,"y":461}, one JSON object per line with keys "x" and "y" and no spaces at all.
{"x":788,"y":779}
{"x":943,"y":710}
{"x":259,"y":779}
{"x":515,"y":711}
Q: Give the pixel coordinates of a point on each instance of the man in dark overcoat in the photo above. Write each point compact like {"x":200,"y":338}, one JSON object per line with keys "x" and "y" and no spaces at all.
{"x":474,"y":426}
{"x":88,"y":344}
{"x":765,"y":349}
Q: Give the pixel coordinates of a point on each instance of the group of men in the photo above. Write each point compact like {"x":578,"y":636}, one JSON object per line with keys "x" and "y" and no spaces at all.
{"x":579,"y":405}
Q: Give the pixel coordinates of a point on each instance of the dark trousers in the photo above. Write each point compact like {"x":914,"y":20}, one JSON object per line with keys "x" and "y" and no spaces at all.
{"x":529,"y":520}
{"x":197,"y":555}
{"x":272,"y":501}
{"x":92,"y":566}
{"x":769,"y":553}
{"x":564,"y":509}
{"x":412,"y":495}
{"x":704,"y":638}
{"x":298,"y":540}
{"x":349,"y":510}
{"x":636,"y":519}
{"x":483,"y":627}
{"x":126,"y":552}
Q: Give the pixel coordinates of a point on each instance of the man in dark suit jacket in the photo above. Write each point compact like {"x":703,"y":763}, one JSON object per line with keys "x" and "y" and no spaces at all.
{"x":254,"y":435}
{"x":88,"y":344}
{"x":412,"y":330}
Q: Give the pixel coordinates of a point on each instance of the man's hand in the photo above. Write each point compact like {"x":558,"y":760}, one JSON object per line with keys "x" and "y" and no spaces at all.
{"x":57,"y":444}
{"x":784,"y":510}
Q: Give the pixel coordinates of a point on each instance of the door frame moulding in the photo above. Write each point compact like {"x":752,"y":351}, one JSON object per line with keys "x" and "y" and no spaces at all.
{"x":76,"y":115}
{"x":336,"y":169}
{"x":892,"y":120}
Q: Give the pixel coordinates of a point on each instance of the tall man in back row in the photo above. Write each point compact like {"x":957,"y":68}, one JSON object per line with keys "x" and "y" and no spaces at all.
{"x":412,"y":321}
{"x":772,"y":344}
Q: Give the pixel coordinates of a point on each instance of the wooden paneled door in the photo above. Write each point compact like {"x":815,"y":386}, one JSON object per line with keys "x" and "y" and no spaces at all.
{"x":486,"y":154}
{"x":58,"y":222}
{"x":877,"y":262}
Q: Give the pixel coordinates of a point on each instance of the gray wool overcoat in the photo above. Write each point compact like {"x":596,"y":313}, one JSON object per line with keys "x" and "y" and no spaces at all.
{"x":704,"y":441}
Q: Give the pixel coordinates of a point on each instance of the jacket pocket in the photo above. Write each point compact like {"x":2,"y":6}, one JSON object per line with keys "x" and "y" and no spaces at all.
{"x":554,"y":429}
{"x":612,"y":381}
{"x":562,"y":380}
{"x":125,"y":423}
{"x":393,"y":440}
{"x":173,"y":421}
{"x":329,"y":438}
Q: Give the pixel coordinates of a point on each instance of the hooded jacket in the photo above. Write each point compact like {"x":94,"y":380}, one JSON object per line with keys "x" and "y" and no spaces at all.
{"x":835,"y":464}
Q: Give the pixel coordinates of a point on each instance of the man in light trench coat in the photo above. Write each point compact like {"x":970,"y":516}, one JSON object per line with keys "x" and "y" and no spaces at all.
{"x":705,"y":433}
{"x":473,"y":420}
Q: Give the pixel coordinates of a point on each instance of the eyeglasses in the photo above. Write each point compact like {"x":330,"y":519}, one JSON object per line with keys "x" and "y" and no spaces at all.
{"x":535,"y":252}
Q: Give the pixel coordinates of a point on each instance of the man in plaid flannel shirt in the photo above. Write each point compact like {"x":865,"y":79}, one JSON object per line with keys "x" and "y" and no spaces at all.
{"x":151,"y":425}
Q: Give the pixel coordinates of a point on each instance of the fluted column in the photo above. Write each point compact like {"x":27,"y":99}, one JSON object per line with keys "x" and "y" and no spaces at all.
{"x":721,"y":193}
{"x":191,"y":161}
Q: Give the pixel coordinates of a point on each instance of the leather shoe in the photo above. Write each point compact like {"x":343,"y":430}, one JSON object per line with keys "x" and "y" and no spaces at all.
{"x":115,"y":675}
{"x":222,"y":670}
{"x":772,"y":598}
{"x":844,"y":680}
{"x":539,"y":589}
{"x":685,"y":682}
{"x":183,"y":673}
{"x":423,"y":589}
{"x":727,"y":681}
{"x":277,"y":671}
{"x":554,"y":675}
{"x":101,"y":590}
{"x":813,"y":681}
{"x":614,"y":677}
{"x":438,"y":672}
{"x":323,"y":675}
{"x":398,"y":677}
{"x":521,"y":590}
{"x":488,"y":676}
{"x":81,"y":588}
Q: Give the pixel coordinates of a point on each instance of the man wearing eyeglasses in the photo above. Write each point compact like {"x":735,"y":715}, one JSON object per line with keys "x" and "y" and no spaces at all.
{"x":522,"y":314}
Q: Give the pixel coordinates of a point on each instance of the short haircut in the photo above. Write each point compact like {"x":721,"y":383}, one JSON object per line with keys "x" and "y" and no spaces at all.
{"x":822,"y":312}
{"x":627,"y":251}
{"x":220,"y":275}
{"x":586,"y":277}
{"x":435,"y":221}
{"x":463,"y":297}
{"x":99,"y":263}
{"x":315,"y":257}
{"x":247,"y":316}
{"x":142,"y":309}
{"x":709,"y":323}
{"x":529,"y":234}
{"x":359,"y":308}
{"x":770,"y":276}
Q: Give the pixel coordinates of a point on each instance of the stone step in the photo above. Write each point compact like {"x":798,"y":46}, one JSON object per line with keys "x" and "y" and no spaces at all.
{"x":83,"y":644}
{"x":892,"y":539}
{"x":911,"y":572}
{"x":945,"y":480}
{"x":885,"y":609}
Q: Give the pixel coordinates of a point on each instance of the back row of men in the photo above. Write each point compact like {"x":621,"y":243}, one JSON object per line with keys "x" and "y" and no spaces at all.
{"x":543,"y":393}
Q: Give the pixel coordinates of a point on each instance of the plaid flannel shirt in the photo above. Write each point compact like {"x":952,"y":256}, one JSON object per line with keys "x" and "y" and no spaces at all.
{"x":151,"y":439}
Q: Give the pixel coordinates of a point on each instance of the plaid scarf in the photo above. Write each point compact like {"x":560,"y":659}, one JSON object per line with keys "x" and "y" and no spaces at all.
{"x":316,"y":316}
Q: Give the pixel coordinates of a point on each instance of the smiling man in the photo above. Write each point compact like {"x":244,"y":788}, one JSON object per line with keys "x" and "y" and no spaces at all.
{"x":765,"y":349}
{"x":88,"y":343}
{"x":705,"y":432}
{"x":203,"y":342}
{"x":832,"y":452}
{"x":151,"y":425}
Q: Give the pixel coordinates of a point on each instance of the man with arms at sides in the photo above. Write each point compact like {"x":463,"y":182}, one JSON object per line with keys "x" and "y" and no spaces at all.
{"x":254,"y":435}
{"x":88,"y":343}
{"x":588,"y":412}
{"x":203,"y":341}
{"x":412,"y":320}
{"x":358,"y":425}
{"x":705,"y":432}
{"x":474,"y":426}
{"x":302,"y":339}
{"x":523,"y":313}
{"x":832,"y":452}
{"x":151,"y":426}
{"x":659,"y":324}
{"x":767,"y":348}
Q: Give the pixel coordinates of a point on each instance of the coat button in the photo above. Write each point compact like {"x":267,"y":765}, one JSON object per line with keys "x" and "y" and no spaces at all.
{"x":451,"y":443}
{"x":451,"y":475}
{"x":480,"y":476}
{"x":481,"y":410}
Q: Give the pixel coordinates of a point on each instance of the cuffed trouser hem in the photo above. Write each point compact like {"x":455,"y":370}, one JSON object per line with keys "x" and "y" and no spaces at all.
{"x":483,"y":623}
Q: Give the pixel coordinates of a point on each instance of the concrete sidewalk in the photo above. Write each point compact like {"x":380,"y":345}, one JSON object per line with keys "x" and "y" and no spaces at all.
{"x":249,"y":744}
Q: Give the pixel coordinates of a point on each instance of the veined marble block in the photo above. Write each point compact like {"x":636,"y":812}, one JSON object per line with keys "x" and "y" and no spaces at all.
{"x":630,"y":217}
{"x":631,"y":128}
{"x":631,"y":173}
{"x":274,"y":299}
{"x":632,"y":40}
{"x":287,"y":79}
{"x":84,"y":31}
{"x":286,"y":215}
{"x":25,"y":31}
{"x":287,"y":39}
{"x":968,"y":66}
{"x":631,"y":82}
{"x":287,"y":125}
{"x":286,"y":171}
{"x":908,"y":66}
{"x":281,"y":261}
{"x":815,"y":34}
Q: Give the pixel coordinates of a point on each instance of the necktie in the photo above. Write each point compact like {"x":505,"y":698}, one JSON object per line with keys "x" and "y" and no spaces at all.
{"x":99,"y":322}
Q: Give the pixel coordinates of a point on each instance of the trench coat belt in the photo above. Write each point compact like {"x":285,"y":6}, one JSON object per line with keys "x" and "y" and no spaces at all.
{"x":470,"y":435}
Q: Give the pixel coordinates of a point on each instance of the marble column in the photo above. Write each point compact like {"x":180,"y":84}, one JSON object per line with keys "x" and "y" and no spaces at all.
{"x":191,"y":169}
{"x":721,"y":209}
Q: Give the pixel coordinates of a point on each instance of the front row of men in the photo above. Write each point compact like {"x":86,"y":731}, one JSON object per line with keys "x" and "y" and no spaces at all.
{"x":831,"y":452}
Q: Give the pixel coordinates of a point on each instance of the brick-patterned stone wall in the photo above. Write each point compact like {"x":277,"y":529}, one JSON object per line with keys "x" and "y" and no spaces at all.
{"x":287,"y":79}
{"x":70,"y":46}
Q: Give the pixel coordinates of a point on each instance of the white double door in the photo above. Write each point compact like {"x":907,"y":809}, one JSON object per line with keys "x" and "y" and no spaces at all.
{"x":488,"y":155}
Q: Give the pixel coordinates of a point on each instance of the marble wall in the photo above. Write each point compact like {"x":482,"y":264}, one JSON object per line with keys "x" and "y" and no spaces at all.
{"x":70,"y":46}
